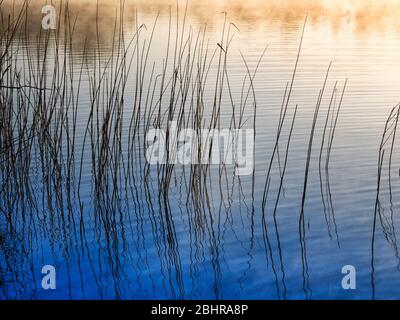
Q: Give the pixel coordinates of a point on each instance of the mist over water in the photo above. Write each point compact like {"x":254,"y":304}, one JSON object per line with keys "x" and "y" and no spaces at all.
{"x":77,"y":192}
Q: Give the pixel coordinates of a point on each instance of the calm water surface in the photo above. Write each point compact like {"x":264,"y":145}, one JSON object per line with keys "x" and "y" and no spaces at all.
{"x":223,"y":245}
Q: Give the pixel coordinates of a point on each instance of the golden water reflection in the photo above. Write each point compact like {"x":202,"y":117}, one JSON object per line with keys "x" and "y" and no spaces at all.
{"x":362,"y":15}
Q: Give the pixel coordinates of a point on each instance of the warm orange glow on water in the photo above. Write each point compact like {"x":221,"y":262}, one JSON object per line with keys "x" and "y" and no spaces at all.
{"x":364,"y":14}
{"x":361,"y":37}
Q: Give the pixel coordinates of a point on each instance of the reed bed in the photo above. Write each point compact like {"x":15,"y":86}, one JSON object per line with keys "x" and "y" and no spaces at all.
{"x":384,"y":212}
{"x":57,"y":180}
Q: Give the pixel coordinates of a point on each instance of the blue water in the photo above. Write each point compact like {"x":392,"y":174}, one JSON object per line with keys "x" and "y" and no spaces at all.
{"x":138,"y":240}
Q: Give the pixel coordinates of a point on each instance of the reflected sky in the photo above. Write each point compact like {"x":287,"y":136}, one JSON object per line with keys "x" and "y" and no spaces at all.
{"x":117,"y":228}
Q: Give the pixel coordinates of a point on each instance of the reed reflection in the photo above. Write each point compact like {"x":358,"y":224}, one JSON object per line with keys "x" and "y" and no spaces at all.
{"x":76,"y":188}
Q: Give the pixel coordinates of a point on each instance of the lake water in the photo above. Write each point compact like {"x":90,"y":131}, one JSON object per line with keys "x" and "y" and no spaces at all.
{"x":115,"y":227}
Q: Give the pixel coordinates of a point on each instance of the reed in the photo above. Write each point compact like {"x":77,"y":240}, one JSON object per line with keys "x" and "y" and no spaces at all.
{"x":58,"y":180}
